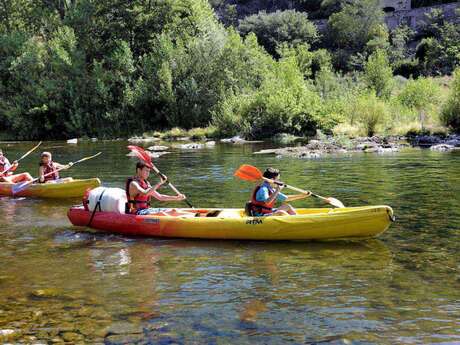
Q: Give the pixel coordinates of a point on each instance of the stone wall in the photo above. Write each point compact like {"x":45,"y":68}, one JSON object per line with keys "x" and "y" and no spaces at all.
{"x":395,"y":5}
{"x":415,"y":18}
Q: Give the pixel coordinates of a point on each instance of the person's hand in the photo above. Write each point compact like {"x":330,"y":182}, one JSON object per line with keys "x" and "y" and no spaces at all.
{"x":308,"y":193}
{"x":279,"y":187}
{"x":69,"y":165}
{"x":181,"y":197}
{"x":163,"y":179}
{"x":15,"y":163}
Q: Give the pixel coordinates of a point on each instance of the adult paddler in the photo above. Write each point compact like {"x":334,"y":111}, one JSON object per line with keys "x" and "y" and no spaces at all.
{"x":48,"y":170}
{"x":7,"y":169}
{"x":139,"y":192}
{"x":265,"y":196}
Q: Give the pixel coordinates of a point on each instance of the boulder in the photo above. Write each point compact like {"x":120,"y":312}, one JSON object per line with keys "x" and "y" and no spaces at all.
{"x":191,"y":146}
{"x":442,"y":147}
{"x":72,"y":141}
{"x":142,"y":140}
{"x":158,"y":148}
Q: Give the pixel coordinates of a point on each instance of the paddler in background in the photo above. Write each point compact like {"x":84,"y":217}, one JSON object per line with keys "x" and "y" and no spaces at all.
{"x":139,"y":192}
{"x":265,"y":196}
{"x":49,"y":168}
{"x":6,"y":171}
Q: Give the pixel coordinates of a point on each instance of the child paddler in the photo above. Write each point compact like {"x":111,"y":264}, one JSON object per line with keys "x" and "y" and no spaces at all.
{"x":265,"y":196}
{"x":139,"y":192}
{"x":48,"y":170}
{"x":7,"y":169}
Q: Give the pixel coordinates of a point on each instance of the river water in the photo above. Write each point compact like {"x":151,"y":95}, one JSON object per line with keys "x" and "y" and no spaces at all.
{"x":60,"y":283}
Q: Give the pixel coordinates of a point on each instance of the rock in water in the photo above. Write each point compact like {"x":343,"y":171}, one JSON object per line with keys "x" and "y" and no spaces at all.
{"x":192,"y":146}
{"x":158,"y":148}
{"x":442,"y":147}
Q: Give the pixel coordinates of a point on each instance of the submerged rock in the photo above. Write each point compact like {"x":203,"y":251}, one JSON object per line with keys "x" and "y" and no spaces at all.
{"x":9,"y":334}
{"x":71,"y":336}
{"x":124,"y":328}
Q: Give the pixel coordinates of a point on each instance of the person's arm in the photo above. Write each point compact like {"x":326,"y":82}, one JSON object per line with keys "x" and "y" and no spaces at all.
{"x":297,"y":197}
{"x":163,"y":197}
{"x":135,"y":189}
{"x":62,"y":166}
{"x":264,"y":196}
{"x":41,"y":172}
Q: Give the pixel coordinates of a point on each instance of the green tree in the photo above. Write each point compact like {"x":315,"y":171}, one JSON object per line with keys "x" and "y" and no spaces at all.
{"x":451,"y":110}
{"x":273,"y":29}
{"x":357,"y":27}
{"x":378,"y":74}
{"x":420,"y":94}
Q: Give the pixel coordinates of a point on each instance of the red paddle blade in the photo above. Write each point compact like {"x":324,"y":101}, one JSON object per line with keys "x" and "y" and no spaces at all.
{"x":141,"y":154}
{"x":248,"y":173}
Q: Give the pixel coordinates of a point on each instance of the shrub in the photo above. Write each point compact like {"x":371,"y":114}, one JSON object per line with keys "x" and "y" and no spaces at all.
{"x":370,"y":112}
{"x":378,"y":74}
{"x":273,"y":29}
{"x":420,"y":94}
{"x":450,"y":115}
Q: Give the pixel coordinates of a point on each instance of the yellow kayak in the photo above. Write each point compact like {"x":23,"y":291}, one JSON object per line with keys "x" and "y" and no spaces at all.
{"x":309,"y":224}
{"x":58,"y":190}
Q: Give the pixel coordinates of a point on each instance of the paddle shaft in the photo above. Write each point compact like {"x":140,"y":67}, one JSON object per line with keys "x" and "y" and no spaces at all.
{"x":21,"y":158}
{"x":295,"y":188}
{"x":155,"y":169}
{"x":28,"y":183}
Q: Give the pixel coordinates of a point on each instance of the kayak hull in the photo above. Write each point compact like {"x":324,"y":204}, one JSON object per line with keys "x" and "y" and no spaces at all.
{"x":310,"y":224}
{"x":69,"y":189}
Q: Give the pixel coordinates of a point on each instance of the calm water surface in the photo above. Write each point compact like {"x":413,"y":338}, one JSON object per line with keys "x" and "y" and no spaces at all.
{"x":60,"y":283}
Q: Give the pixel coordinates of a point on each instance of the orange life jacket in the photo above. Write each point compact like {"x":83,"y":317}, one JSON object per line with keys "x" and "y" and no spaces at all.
{"x":141,"y":201}
{"x":50,"y":169}
{"x":262,"y":207}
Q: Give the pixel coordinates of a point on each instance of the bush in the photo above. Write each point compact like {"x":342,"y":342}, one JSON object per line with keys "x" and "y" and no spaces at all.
{"x":422,"y":95}
{"x":273,"y":29}
{"x":450,"y":115}
{"x":370,"y":112}
{"x":283,"y":104}
{"x":378,"y":74}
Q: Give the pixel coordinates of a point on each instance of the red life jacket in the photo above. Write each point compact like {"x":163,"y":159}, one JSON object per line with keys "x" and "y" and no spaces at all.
{"x":2,"y":164}
{"x":141,"y":201}
{"x":263,"y":207}
{"x":50,"y":169}
{"x":5,"y":166}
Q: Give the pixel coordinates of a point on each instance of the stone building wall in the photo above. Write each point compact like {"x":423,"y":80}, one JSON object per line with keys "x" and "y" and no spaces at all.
{"x":415,"y":18}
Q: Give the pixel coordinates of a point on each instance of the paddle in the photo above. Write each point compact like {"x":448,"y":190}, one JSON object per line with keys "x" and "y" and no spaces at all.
{"x":19,"y":187}
{"x":145,"y":156}
{"x":251,"y":173}
{"x":21,"y":158}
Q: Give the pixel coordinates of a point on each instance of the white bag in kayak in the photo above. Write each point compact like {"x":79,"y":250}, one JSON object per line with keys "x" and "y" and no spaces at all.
{"x":111,"y":199}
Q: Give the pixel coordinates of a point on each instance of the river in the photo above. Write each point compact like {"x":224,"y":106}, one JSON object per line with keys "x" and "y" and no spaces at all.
{"x":60,"y":283}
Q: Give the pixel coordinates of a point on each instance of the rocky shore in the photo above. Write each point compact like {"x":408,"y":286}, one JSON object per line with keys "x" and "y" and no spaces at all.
{"x":339,"y":145}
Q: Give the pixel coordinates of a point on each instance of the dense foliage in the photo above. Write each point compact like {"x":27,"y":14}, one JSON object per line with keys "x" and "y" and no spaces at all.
{"x":451,"y":110}
{"x":123,"y":67}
